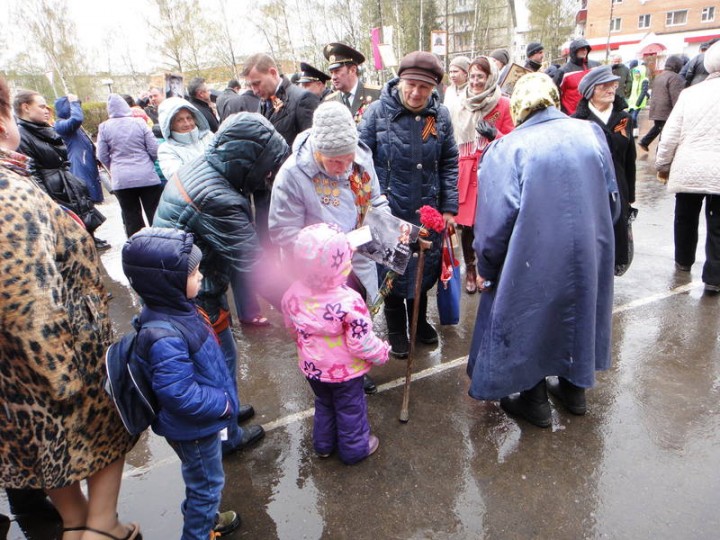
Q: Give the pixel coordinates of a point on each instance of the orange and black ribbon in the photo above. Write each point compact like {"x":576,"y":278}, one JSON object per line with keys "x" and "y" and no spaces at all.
{"x":429,"y":128}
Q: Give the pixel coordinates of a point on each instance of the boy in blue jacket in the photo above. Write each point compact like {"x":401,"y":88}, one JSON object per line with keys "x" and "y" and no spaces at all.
{"x":196,"y":395}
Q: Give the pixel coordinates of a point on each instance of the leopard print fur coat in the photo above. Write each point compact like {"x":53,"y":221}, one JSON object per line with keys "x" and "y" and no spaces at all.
{"x":57,"y":424}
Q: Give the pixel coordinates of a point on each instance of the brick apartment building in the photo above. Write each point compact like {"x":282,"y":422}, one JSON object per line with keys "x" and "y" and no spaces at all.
{"x":642,"y":28}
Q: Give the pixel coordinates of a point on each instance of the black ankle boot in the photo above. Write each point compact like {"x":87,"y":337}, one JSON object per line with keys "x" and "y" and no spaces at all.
{"x":570,"y":396}
{"x":425,"y":332}
{"x":532,"y":405}
{"x":396,"y":319}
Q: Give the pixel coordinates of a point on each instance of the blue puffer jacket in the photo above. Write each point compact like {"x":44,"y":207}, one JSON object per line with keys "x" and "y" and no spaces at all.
{"x":196,"y":394}
{"x":413,"y":172}
{"x":209,"y":197}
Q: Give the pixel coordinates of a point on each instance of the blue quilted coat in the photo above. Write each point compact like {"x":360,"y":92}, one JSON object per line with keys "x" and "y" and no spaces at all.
{"x":196,"y":394}
{"x":413,"y":170}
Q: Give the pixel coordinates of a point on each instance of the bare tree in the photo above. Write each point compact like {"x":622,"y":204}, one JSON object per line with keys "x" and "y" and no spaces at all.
{"x":551,"y":23}
{"x":47,"y":30}
{"x":224,"y":47}
{"x":168,"y":28}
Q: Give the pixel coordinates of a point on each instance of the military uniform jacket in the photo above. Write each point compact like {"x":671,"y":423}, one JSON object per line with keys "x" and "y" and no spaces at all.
{"x":365,"y":95}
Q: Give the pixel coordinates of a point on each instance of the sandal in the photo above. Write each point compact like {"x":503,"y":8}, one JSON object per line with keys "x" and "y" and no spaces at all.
{"x":133,"y":534}
{"x":257,"y":321}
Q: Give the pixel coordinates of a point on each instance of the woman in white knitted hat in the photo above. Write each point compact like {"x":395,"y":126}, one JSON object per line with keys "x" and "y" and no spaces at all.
{"x":329,"y":178}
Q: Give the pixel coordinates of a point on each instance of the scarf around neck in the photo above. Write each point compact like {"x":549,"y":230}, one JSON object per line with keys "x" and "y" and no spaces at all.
{"x":15,"y":162}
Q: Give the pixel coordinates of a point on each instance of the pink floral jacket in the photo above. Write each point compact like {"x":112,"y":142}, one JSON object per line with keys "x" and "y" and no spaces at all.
{"x":335,"y":338}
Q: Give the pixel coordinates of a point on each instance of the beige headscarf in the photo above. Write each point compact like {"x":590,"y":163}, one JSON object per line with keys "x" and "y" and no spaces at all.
{"x":475,"y":107}
{"x":533,"y":92}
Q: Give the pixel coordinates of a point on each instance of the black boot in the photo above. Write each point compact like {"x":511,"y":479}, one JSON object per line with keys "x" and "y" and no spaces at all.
{"x":397,"y":327}
{"x":425,"y":332}
{"x":570,"y":396}
{"x":532,"y":405}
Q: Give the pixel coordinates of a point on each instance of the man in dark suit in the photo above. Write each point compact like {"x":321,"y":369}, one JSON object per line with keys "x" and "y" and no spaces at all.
{"x":313,"y":80}
{"x":234,"y":100}
{"x":288,"y":107}
{"x":199,"y":95}
{"x":344,"y":67}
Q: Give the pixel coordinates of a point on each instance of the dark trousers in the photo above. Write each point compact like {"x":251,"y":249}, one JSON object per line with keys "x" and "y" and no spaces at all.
{"x":655,"y":130}
{"x":341,"y":420}
{"x":687,"y":216}
{"x":132,"y":203}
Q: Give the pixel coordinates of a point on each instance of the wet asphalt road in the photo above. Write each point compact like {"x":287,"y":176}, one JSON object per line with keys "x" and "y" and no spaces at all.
{"x":643,"y":463}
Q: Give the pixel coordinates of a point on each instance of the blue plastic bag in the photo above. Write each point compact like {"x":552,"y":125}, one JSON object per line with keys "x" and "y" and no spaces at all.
{"x":448,"y":288}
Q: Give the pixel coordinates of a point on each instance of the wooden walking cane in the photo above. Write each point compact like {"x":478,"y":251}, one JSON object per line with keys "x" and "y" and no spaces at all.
{"x":424,"y":245}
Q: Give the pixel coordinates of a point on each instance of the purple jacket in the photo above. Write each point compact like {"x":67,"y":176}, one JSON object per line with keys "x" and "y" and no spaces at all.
{"x":127,"y":147}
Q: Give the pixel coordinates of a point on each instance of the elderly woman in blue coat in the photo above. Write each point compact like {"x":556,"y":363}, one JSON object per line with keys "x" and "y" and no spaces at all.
{"x":416,"y":160}
{"x":545,"y":246}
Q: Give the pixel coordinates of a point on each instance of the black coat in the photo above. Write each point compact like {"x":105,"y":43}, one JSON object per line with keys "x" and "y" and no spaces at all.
{"x":210,"y":198}
{"x":618,"y":132}
{"x":296,"y":112}
{"x":50,"y":168}
{"x":231,"y":102}
{"x":207,"y":112}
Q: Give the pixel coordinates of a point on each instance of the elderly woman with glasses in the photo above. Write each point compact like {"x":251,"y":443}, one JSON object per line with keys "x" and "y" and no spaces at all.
{"x":601,"y":104}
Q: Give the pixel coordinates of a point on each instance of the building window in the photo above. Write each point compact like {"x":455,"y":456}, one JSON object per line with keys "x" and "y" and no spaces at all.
{"x":708,"y":14}
{"x":676,"y":18}
{"x":615,"y":24}
{"x":644,"y":21}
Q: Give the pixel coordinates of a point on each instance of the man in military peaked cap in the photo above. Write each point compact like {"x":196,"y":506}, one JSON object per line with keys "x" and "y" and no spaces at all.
{"x":344,"y":62}
{"x":313,"y":80}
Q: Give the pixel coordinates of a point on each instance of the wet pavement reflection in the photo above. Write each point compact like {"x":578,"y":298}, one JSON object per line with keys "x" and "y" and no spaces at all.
{"x":643,"y":463}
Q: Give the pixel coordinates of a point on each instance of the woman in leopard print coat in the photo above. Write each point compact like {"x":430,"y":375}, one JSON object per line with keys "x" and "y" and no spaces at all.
{"x":57,"y":424}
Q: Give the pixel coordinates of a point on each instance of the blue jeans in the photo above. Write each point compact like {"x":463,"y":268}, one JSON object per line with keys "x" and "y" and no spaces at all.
{"x":246,"y":302}
{"x":227,"y":344}
{"x":204,"y":478}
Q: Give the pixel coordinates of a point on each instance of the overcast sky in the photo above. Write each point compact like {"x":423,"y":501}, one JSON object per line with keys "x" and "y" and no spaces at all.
{"x":108,"y":29}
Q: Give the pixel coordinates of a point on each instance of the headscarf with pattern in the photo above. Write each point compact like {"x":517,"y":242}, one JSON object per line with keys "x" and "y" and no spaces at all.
{"x":533,"y":92}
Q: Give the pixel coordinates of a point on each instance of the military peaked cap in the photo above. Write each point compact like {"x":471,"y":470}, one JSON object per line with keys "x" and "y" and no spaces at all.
{"x":339,"y":54}
{"x":311,"y":74}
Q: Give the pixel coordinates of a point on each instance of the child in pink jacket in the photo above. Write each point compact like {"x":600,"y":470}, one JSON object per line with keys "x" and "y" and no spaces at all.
{"x":335,"y":340}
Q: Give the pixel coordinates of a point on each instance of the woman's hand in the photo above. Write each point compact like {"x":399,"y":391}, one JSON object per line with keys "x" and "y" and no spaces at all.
{"x":449,"y":219}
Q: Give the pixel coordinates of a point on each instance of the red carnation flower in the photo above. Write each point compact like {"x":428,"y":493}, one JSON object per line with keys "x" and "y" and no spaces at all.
{"x":431,"y":219}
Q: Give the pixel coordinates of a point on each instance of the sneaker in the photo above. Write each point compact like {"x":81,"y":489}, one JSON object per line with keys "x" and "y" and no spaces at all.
{"x":712,"y":288}
{"x":322,"y":454}
{"x":225,"y":523}
{"x":682,"y":267}
{"x":373,"y":444}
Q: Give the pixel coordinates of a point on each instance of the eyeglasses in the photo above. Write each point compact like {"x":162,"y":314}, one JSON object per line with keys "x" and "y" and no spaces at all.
{"x":609,"y":85}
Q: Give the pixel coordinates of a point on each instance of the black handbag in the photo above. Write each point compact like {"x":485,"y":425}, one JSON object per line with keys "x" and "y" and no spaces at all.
{"x":68,"y":190}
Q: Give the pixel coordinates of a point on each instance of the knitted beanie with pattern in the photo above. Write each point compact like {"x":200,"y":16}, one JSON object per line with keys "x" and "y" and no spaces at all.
{"x":334,"y":132}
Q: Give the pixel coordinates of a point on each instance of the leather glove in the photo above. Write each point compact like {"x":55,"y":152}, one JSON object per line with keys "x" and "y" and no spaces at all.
{"x":486,"y":129}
